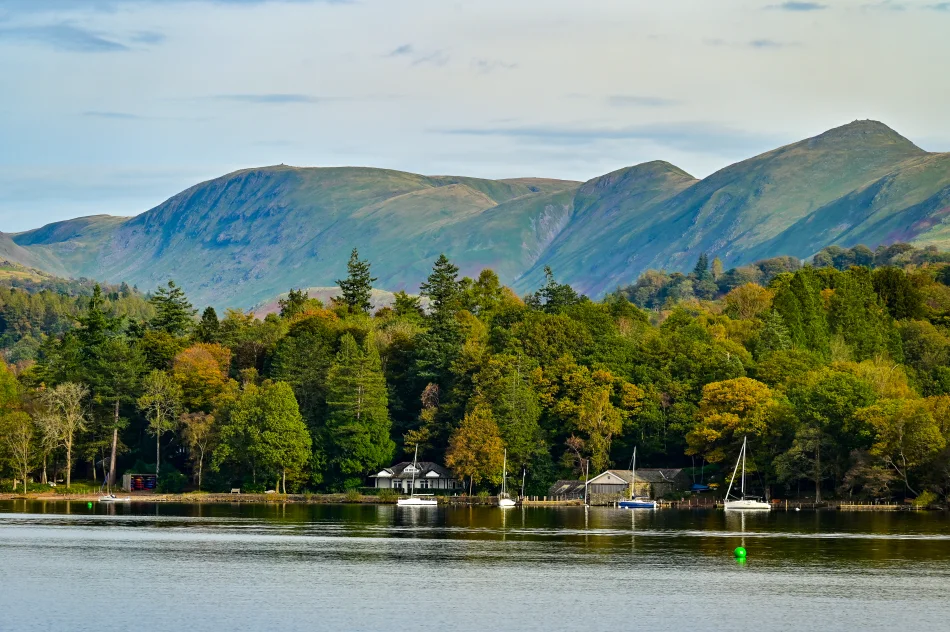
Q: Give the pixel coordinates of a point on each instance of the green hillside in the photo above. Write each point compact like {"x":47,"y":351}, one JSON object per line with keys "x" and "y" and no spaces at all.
{"x":243,"y":238}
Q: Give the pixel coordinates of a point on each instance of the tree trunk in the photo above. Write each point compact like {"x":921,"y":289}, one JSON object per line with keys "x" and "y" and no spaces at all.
{"x":285,"y":480}
{"x":158,"y":443}
{"x":44,"y":469}
{"x":69,"y":463}
{"x":201,"y":457}
{"x":818,"y":473}
{"x":115,"y":441}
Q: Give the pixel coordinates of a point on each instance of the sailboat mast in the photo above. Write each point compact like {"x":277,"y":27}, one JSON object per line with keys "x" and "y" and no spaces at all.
{"x":412,"y":485}
{"x":633,"y":474}
{"x":504,"y":474}
{"x":744,"y":440}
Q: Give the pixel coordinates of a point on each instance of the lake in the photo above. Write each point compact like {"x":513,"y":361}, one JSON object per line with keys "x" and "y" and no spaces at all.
{"x":204,"y":568}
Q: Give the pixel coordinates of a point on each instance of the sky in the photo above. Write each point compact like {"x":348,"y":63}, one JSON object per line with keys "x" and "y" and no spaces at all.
{"x":112,"y":106}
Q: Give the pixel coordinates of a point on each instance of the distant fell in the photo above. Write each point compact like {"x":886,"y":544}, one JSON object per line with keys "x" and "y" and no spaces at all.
{"x":248,"y":236}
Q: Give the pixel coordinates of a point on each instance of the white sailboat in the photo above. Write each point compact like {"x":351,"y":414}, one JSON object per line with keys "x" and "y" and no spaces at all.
{"x":635,"y":502}
{"x":743,"y":502}
{"x":504,"y":499}
{"x":416,"y":500}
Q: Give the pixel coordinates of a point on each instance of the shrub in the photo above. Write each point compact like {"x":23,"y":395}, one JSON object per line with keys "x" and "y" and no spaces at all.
{"x":352,"y":496}
{"x":387,"y":495}
{"x":172,"y":482}
{"x":925,"y":499}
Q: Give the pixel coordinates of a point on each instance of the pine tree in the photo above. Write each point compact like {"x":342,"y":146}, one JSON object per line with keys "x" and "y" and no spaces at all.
{"x":775,"y":335}
{"x":209,"y":327}
{"x":295,"y":303}
{"x":701,"y":270}
{"x":357,"y":288}
{"x":442,"y":341}
{"x":553,"y":297}
{"x":173,"y":313}
{"x":358,"y":422}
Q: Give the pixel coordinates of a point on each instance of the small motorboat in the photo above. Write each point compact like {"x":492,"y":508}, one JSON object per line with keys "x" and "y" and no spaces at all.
{"x":112,"y":498}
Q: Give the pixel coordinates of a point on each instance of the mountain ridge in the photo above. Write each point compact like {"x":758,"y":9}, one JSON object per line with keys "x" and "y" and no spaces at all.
{"x":245,"y":237}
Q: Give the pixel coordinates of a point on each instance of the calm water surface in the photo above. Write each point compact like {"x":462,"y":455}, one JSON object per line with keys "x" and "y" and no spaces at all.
{"x":209,"y":568}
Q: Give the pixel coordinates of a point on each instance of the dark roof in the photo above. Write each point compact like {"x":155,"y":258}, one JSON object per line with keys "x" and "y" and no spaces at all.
{"x":566,"y":488}
{"x":649,"y":475}
{"x":423,"y":468}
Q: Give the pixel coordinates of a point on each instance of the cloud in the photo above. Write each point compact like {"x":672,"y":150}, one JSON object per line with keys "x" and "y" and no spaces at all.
{"x":65,"y":37}
{"x":702,"y":137}
{"x":275,"y":98}
{"x":110,"y":6}
{"x":628,"y":100}
{"x":886,"y":5}
{"x":148,"y":37}
{"x":758,"y":44}
{"x":104,"y":114}
{"x":486,"y":66}
{"x":798,"y":6}
{"x":400,"y":51}
{"x":769,"y":43}
{"x":435,"y":58}
{"x":940,"y":6}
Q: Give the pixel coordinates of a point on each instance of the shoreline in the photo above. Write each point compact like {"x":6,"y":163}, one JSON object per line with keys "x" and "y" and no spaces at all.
{"x":198,"y":498}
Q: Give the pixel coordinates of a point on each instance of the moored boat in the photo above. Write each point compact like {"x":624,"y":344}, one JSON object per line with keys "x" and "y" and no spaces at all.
{"x":743,"y":502}
{"x":416,"y":500}
{"x":635,"y":502}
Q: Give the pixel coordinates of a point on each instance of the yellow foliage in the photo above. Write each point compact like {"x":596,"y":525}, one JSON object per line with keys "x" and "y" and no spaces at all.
{"x":748,"y":301}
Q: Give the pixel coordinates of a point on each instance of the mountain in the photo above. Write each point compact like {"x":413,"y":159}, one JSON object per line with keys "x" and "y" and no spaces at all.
{"x":243,"y":238}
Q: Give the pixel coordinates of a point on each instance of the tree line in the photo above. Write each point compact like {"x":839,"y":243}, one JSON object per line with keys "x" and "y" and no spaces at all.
{"x":840,"y":379}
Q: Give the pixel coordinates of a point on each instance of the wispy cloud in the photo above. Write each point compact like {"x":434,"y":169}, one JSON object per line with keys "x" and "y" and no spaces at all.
{"x":758,"y":44}
{"x":940,"y":6}
{"x":886,"y":5}
{"x":401,"y":51}
{"x":486,"y":66}
{"x":770,"y":43}
{"x":110,"y":6}
{"x":275,"y":98}
{"x":688,"y":136}
{"x":148,"y":37}
{"x":66,"y":37}
{"x":417,"y":57}
{"x":105,"y":114}
{"x":628,"y":100}
{"x":798,"y":6}
{"x":435,"y":58}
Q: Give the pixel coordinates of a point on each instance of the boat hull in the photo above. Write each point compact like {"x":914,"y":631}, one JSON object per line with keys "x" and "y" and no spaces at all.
{"x":112,"y":499}
{"x":506,"y":503}
{"x":637,"y":504}
{"x":417,"y":502}
{"x":746,"y":505}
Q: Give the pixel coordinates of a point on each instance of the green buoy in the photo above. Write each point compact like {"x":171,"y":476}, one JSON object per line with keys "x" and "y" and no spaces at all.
{"x":89,"y":505}
{"x":740,"y":552}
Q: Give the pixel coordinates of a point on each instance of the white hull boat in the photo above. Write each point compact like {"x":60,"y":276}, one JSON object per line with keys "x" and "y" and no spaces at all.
{"x":414,"y":500}
{"x":747,"y":504}
{"x":115,"y":499}
{"x":504,"y":500}
{"x":743,"y":502}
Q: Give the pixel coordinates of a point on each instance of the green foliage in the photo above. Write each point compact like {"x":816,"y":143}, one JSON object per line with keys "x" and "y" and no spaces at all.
{"x":173,"y":313}
{"x":357,"y":287}
{"x":358,"y":423}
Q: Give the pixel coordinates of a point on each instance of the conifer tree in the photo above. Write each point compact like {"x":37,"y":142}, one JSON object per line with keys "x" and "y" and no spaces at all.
{"x":357,"y":287}
{"x":173,"y":313}
{"x":358,"y":422}
{"x":209,"y":326}
{"x":442,"y":341}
